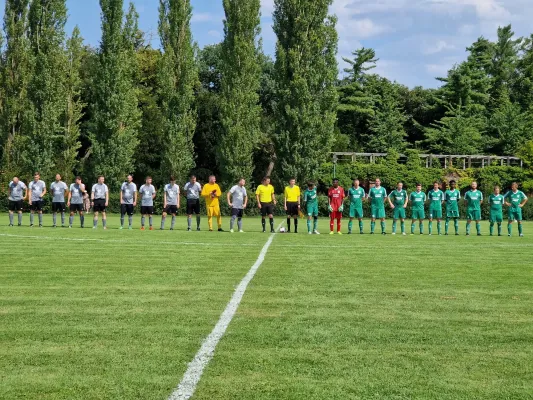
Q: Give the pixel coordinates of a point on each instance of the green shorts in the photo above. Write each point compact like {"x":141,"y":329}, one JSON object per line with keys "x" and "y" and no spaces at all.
{"x":515,"y":215}
{"x":473,"y":215}
{"x":435,"y":213}
{"x":452,"y":214}
{"x":312,"y":210}
{"x":418,"y":214}
{"x":496,"y":216}
{"x":378,"y":212}
{"x":399,"y":212}
{"x":356,"y":212}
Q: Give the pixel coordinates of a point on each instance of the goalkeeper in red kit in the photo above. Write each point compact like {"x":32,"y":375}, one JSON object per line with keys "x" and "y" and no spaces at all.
{"x":336,"y":199}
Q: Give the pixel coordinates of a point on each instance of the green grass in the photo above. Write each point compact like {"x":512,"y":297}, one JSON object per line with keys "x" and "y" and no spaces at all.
{"x":119,"y":315}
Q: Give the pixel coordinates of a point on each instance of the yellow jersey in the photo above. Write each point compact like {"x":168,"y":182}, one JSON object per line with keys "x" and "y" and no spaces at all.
{"x":292,"y":194}
{"x":208,"y":190}
{"x":265,"y":193}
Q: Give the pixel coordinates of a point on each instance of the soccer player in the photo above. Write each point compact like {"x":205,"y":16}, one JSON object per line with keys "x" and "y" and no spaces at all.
{"x":100,"y":201}
{"x":36,"y":192}
{"x":515,"y":200}
{"x":75,"y":201}
{"x":496,"y":201}
{"x":128,"y":200}
{"x":16,"y":199}
{"x":311,"y":205}
{"x":452,"y":197}
{"x":473,"y":201}
{"x":171,"y":202}
{"x":58,"y":189}
{"x":211,"y":193}
{"x":436,"y":200}
{"x":192,"y":191}
{"x":148,"y":193}
{"x":398,"y":202}
{"x":377,"y":196}
{"x":418,"y":199}
{"x":237,"y":200}
{"x":336,"y":197}
{"x":293,"y":199}
{"x":266,"y":200}
{"x":357,"y":195}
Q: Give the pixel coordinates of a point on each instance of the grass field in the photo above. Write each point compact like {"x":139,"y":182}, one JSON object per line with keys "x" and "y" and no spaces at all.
{"x":93,"y":314}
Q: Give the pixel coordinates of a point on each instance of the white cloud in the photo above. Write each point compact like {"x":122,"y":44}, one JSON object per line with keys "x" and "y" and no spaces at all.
{"x":485,"y":9}
{"x":438,"y":47}
{"x":438,"y":69}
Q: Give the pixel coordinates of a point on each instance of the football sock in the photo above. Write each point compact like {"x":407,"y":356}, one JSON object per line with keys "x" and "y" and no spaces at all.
{"x":71,"y":220}
{"x":468,"y":225}
{"x":456,"y":224}
{"x":219,"y":221}
{"x":151,"y":220}
{"x":331,"y":223}
{"x":421,"y":226}
{"x":308,"y":225}
{"x":372,"y":226}
{"x":315,"y":223}
{"x":198,"y":221}
{"x":271,"y":223}
{"x":173,"y":222}
{"x":500,"y":228}
{"x":189,"y":222}
{"x":491,"y":230}
{"x":447,"y":225}
{"x":361,"y":226}
{"x":40,"y":219}
{"x":412,"y":228}
{"x":20,"y":218}
{"x":263,"y":223}
{"x":232,"y":221}
{"x":130,"y":220}
{"x":121,"y":219}
{"x":210,"y":223}
{"x":31,"y":218}
{"x":62,"y":218}
{"x":54,"y":218}
{"x":520,"y":229}
{"x":11,"y":219}
{"x":509,"y":228}
{"x":104,"y":222}
{"x":142,"y":220}
{"x":239,"y":223}
{"x":163,"y":218}
{"x":382,"y":226}
{"x":394,"y":226}
{"x":95,"y":222}
{"x":430,"y":227}
{"x":439,"y":227}
{"x":339,"y":225}
{"x":288,"y":223}
{"x":478,"y":228}
{"x":350,"y":226}
{"x":82,"y":219}
{"x":403,"y":227}
{"x":295,"y":224}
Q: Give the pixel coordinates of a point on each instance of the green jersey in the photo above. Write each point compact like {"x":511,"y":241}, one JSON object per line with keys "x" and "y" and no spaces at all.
{"x":377,"y":197}
{"x":356,"y":197}
{"x":496,"y":202}
{"x":515,"y":199}
{"x":473,"y":200}
{"x":417,"y":199}
{"x":398,"y":197}
{"x":436,"y":197}
{"x":452,"y":198}
{"x":311,"y":197}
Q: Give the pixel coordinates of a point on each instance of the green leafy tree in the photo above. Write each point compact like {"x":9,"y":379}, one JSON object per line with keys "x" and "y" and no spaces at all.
{"x":16,"y":73}
{"x":178,"y":76}
{"x":524,"y":84}
{"x":306,"y":74}
{"x":115,"y":117}
{"x":504,"y":64}
{"x":458,"y":132}
{"x":241,"y":77}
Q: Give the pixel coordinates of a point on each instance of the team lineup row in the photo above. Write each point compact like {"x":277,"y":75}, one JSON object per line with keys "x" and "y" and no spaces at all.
{"x":237,"y":198}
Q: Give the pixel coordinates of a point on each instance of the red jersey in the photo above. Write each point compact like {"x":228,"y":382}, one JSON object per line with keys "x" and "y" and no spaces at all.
{"x":336,"y":197}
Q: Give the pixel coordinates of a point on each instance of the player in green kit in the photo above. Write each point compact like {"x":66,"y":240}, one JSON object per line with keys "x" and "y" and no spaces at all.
{"x":398,"y":202}
{"x":515,"y":200}
{"x":452,"y":197}
{"x":357,"y":196}
{"x":473,"y":201}
{"x":496,"y":201}
{"x":311,"y":204}
{"x":378,"y":196}
{"x":418,"y":199}
{"x":436,"y":200}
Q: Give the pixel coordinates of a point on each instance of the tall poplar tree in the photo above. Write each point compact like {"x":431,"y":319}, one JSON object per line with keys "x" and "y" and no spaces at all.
{"x":16,"y":69}
{"x":47,"y":19}
{"x":240,"y":109}
{"x":178,"y":76}
{"x":306,"y":74}
{"x":115,"y":117}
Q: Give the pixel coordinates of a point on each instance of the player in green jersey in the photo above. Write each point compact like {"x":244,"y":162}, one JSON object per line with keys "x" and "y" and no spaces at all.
{"x":311,"y":204}
{"x":378,"y":196}
{"x":418,"y":199}
{"x":452,"y":197}
{"x":473,"y":201}
{"x":515,"y":200}
{"x":436,"y":200}
{"x":357,"y":196}
{"x":398,"y":202}
{"x":496,"y":201}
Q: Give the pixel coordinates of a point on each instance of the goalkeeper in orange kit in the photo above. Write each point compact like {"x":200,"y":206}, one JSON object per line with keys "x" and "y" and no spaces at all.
{"x":211,"y":192}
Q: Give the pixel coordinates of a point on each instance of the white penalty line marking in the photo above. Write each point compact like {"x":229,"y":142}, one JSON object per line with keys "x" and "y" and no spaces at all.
{"x":195,"y":369}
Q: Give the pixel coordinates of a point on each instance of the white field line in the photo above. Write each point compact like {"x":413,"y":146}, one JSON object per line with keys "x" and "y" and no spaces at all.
{"x":187,"y":386}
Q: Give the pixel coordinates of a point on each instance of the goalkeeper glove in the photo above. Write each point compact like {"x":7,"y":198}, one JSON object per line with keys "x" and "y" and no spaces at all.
{"x":330,"y":209}
{"x":341,"y":208}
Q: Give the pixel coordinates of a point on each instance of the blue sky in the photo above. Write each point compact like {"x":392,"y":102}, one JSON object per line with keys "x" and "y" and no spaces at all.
{"x":416,"y":40}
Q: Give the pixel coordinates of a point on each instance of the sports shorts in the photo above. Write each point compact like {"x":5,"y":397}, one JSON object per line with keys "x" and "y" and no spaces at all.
{"x":237,"y":212}
{"x":496,"y":216}
{"x":58,"y":207}
{"x":418,"y":214}
{"x":452,"y":214}
{"x":126,"y":209}
{"x":312,"y":210}
{"x":76,"y":207}
{"x":171,"y":209}
{"x":267,"y":209}
{"x":435,"y":213}
{"x":378,"y":212}
{"x":99,"y":205}
{"x":399,"y":212}
{"x":193,"y":206}
{"x":147,"y":210}
{"x":292,"y":209}
{"x":36,"y":205}
{"x":16,"y":205}
{"x":515,"y":214}
{"x":213,"y":211}
{"x":473,"y":215}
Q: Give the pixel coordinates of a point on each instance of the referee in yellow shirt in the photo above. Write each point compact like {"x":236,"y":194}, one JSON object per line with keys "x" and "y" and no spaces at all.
{"x":212,"y":192}
{"x":292,"y":204}
{"x":266,"y":200}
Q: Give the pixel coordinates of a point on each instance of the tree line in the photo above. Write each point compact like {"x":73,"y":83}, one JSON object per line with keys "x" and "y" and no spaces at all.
{"x":228,"y":109}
